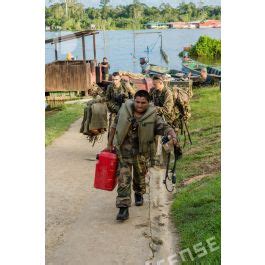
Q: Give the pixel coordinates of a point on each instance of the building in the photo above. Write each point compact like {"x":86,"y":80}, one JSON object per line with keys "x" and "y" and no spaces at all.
{"x":178,"y":25}
{"x":183,"y":25}
{"x":210,"y":24}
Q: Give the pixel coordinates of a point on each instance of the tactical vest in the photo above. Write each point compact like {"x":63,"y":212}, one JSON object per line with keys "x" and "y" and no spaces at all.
{"x":145,"y":127}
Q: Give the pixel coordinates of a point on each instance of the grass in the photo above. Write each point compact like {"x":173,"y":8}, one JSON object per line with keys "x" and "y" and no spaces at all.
{"x":196,"y":209}
{"x":58,"y":122}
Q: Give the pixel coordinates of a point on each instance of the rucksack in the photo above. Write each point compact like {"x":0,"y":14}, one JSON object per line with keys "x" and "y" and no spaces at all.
{"x":182,"y":102}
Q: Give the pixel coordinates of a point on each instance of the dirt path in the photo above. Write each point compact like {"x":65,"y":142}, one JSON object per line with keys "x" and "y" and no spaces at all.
{"x":80,"y":220}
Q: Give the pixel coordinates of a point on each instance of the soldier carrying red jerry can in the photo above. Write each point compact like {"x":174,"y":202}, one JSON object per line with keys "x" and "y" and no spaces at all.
{"x":132,"y":136}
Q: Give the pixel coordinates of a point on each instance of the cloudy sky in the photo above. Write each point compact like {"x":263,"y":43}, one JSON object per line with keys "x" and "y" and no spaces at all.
{"x":95,"y":3}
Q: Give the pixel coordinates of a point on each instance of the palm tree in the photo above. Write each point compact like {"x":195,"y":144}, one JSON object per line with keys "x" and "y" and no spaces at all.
{"x":66,"y":3}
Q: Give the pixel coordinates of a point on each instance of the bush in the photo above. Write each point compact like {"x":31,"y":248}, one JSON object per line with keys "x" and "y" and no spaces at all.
{"x":206,"y":47}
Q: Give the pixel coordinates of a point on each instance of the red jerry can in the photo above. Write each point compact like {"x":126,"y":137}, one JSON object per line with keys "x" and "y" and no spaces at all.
{"x":106,"y":168}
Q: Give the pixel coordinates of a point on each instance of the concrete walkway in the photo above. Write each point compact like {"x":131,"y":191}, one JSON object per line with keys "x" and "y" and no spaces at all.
{"x":80,"y":221}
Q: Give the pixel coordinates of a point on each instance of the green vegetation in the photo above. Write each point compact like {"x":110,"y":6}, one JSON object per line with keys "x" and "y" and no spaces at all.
{"x":71,"y":15}
{"x":58,"y":121}
{"x":197,"y":205}
{"x":205,"y":47}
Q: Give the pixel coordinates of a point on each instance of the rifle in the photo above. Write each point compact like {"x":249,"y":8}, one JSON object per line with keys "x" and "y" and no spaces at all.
{"x":119,"y":99}
{"x":173,"y":177}
{"x":182,"y":113}
{"x":187,"y":130}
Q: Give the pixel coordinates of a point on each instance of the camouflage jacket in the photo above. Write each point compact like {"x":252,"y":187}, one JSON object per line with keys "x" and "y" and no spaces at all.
{"x":164,"y":103}
{"x":116,"y":96}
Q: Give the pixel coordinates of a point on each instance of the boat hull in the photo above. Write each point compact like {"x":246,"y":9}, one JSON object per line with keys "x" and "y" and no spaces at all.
{"x":195,"y":68}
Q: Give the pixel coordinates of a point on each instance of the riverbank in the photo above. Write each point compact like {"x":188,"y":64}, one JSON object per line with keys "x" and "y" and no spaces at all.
{"x":196,"y":209}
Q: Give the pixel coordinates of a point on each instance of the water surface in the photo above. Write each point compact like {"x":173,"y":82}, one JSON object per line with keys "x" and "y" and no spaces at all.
{"x":118,"y":46}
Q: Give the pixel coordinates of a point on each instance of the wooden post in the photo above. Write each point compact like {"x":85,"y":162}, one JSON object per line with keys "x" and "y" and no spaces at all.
{"x":55,"y":50}
{"x":84,"y":60}
{"x":94,"y":47}
{"x":83,"y":49}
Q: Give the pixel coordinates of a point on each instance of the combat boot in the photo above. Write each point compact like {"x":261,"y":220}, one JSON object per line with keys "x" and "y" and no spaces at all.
{"x":139,"y":200}
{"x":123,"y":214}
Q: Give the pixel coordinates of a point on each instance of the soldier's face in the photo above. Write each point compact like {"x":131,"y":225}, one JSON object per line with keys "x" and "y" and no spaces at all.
{"x":140,"y":104}
{"x":158,"y":84}
{"x":116,"y":80}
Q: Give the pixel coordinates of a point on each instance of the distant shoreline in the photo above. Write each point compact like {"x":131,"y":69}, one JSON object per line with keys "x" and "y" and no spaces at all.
{"x":101,"y":30}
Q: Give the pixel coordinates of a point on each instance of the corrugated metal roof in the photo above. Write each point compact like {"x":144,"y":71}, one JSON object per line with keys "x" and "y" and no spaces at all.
{"x":71,"y":36}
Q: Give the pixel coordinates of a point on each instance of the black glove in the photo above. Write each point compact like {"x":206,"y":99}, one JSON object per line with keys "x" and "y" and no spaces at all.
{"x":165,"y":139}
{"x":120,"y":99}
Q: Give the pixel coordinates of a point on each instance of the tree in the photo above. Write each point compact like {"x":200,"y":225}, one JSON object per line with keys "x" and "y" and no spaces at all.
{"x":69,"y":14}
{"x":104,"y":8}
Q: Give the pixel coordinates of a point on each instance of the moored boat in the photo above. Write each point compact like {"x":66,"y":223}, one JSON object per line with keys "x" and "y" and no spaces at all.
{"x":162,"y":70}
{"x":195,"y":68}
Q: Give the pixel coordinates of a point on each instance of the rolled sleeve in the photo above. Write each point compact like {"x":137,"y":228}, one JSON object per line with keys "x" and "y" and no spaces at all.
{"x":162,"y":128}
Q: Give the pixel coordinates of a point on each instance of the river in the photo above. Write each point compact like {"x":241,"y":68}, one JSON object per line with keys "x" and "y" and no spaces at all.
{"x":118,"y":46}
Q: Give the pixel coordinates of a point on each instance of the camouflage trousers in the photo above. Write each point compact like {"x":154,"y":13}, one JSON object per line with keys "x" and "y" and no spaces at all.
{"x":131,"y":168}
{"x":105,"y":76}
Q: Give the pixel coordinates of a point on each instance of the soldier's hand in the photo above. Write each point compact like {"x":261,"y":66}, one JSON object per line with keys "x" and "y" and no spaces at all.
{"x":109,"y":147}
{"x":175,"y":141}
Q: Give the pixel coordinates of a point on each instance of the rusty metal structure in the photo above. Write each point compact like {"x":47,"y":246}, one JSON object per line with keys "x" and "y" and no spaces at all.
{"x":72,"y":75}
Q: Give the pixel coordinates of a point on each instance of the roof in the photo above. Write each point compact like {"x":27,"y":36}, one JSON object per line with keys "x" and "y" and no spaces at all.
{"x":71,"y":36}
{"x":210,"y":22}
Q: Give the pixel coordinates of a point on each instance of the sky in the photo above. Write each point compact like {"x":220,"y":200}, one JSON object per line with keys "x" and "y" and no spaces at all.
{"x":174,"y":3}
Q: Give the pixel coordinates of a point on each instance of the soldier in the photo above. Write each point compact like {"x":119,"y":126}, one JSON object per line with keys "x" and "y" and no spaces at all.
{"x":134,"y":130}
{"x":203,"y":79}
{"x":117,"y":93}
{"x":105,"y":66}
{"x":163,"y":99}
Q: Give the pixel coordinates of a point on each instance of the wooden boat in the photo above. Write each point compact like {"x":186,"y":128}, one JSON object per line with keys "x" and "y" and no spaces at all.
{"x":140,"y":83}
{"x":156,"y":69}
{"x":146,"y":83}
{"x":195,"y":68}
{"x":162,"y":70}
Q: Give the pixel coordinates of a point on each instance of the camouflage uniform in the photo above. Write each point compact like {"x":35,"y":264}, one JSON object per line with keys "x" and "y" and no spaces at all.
{"x":129,"y":158}
{"x":115,"y":96}
{"x":164,"y":103}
